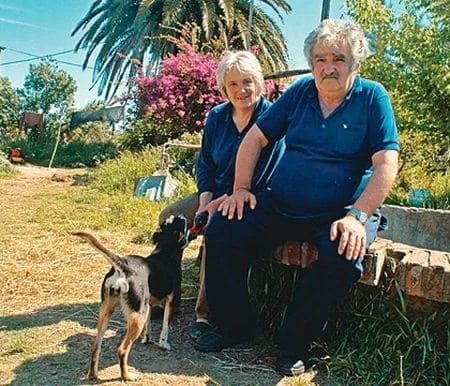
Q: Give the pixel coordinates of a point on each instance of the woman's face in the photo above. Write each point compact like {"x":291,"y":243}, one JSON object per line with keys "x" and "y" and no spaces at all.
{"x":241,"y":89}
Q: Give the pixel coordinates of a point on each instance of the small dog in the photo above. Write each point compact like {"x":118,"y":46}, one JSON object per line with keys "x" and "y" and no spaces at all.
{"x":138,"y":284}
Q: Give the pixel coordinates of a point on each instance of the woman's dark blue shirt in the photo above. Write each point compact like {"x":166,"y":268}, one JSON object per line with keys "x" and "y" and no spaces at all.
{"x":220,"y":143}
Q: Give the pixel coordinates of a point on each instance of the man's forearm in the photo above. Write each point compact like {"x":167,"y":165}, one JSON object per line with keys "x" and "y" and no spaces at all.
{"x":379,"y":185}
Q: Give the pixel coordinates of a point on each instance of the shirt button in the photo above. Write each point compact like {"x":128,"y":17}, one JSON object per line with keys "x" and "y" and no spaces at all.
{"x":323,"y":125}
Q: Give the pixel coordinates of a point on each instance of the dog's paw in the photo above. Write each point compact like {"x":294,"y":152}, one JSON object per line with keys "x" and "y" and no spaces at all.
{"x":145,"y":339}
{"x":91,"y":376}
{"x":130,"y":377}
{"x":165,"y":344}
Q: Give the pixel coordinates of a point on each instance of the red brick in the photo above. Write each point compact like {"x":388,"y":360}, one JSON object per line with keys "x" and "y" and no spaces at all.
{"x":373,"y":262}
{"x":416,"y":263}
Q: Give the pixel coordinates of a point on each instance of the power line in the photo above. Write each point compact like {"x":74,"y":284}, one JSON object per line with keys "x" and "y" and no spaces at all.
{"x":28,"y":54}
{"x":36,"y":57}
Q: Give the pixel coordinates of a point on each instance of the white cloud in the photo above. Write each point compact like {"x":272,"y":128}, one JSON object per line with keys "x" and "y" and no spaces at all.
{"x":10,"y":8}
{"x":24,"y":24}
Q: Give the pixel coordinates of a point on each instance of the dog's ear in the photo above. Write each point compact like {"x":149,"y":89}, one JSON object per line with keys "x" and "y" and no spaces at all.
{"x":156,"y":237}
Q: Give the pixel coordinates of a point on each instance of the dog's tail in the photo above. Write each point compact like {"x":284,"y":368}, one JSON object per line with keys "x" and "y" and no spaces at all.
{"x":116,"y":261}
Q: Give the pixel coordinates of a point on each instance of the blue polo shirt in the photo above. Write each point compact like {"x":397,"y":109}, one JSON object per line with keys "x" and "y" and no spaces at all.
{"x":220,"y":143}
{"x":327,"y":162}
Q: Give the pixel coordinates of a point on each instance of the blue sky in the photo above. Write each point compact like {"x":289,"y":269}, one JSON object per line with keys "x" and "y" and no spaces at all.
{"x":43,"y":27}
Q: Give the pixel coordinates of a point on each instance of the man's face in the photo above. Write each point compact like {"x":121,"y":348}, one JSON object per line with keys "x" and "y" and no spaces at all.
{"x":332,"y":69}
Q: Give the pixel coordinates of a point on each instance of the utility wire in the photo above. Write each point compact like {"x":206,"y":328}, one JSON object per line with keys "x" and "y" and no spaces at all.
{"x":28,"y":54}
{"x":35,"y":57}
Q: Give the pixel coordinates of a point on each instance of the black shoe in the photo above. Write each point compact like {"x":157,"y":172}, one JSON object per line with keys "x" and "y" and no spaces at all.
{"x":215,"y":340}
{"x":289,"y":366}
{"x":198,"y":329}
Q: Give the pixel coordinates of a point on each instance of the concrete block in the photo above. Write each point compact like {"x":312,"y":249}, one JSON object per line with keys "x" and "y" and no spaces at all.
{"x":418,"y":227}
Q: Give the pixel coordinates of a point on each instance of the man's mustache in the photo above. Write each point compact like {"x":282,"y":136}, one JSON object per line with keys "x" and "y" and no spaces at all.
{"x":331,"y":76}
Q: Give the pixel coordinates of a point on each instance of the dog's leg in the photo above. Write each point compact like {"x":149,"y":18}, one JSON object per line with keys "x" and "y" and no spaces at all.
{"x":164,"y":337}
{"x":146,"y":334}
{"x":106,"y":310}
{"x":135,"y":325}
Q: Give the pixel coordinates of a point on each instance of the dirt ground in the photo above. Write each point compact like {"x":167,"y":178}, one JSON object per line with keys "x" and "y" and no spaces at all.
{"x":49,"y":298}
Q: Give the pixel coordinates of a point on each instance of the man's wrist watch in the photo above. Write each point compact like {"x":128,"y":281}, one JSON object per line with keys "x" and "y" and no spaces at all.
{"x":360,"y":216}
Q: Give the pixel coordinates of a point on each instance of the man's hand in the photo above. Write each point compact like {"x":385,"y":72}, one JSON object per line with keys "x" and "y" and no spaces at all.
{"x":235,"y":204}
{"x":352,"y":239}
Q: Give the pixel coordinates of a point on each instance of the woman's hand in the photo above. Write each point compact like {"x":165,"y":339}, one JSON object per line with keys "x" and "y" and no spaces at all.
{"x":235,"y":203}
{"x":211,"y":207}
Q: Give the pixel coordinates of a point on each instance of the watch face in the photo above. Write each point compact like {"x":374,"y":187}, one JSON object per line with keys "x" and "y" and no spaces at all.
{"x":362,"y":217}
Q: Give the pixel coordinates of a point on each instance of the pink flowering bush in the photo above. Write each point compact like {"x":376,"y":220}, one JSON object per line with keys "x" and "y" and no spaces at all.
{"x":177,"y":99}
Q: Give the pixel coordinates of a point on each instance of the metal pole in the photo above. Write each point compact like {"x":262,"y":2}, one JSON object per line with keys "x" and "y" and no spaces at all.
{"x":1,"y":52}
{"x":249,"y":25}
{"x":325,"y":10}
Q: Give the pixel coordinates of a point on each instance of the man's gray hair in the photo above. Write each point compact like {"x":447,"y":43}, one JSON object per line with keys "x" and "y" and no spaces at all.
{"x":331,"y":33}
{"x":244,"y":62}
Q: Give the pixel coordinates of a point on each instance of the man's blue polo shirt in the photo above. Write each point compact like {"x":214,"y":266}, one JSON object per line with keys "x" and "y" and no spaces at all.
{"x":327,"y":162}
{"x":220,"y":143}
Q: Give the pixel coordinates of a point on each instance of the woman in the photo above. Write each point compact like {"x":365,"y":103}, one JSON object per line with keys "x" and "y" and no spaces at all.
{"x":240,"y":80}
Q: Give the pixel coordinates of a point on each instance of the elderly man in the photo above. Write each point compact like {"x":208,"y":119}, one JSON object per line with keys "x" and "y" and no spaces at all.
{"x":338,"y":167}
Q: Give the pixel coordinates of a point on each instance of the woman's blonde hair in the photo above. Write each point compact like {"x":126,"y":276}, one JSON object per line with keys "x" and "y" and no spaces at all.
{"x":244,"y":62}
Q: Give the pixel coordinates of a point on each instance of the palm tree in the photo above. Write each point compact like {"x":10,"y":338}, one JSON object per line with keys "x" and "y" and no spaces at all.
{"x":121,"y":33}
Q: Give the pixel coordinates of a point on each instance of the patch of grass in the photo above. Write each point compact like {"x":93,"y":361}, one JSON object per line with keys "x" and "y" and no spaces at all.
{"x":120,"y":174}
{"x":17,"y":344}
{"x":107,"y":202}
{"x":190,"y":283}
{"x":373,"y":342}
{"x":372,"y":339}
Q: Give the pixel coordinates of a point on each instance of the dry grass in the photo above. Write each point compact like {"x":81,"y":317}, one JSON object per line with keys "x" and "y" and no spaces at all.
{"x":49,"y":294}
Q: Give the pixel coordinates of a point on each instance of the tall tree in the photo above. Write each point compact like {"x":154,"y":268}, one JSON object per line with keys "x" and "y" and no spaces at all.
{"x":48,"y":89}
{"x":9,"y":106}
{"x":122,"y":32}
{"x":412,"y":60}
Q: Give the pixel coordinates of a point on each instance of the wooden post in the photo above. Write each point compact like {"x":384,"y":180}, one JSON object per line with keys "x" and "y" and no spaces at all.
{"x":58,"y":136}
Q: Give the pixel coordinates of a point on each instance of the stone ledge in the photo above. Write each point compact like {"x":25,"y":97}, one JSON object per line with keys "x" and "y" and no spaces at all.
{"x":422,"y":228}
{"x":420,"y":272}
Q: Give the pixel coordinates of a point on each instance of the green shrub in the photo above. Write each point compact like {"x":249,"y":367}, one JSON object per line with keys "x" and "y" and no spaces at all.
{"x":424,"y":160}
{"x":119,"y":174}
{"x":38,"y":149}
{"x":111,"y":187}
{"x":81,"y":154}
